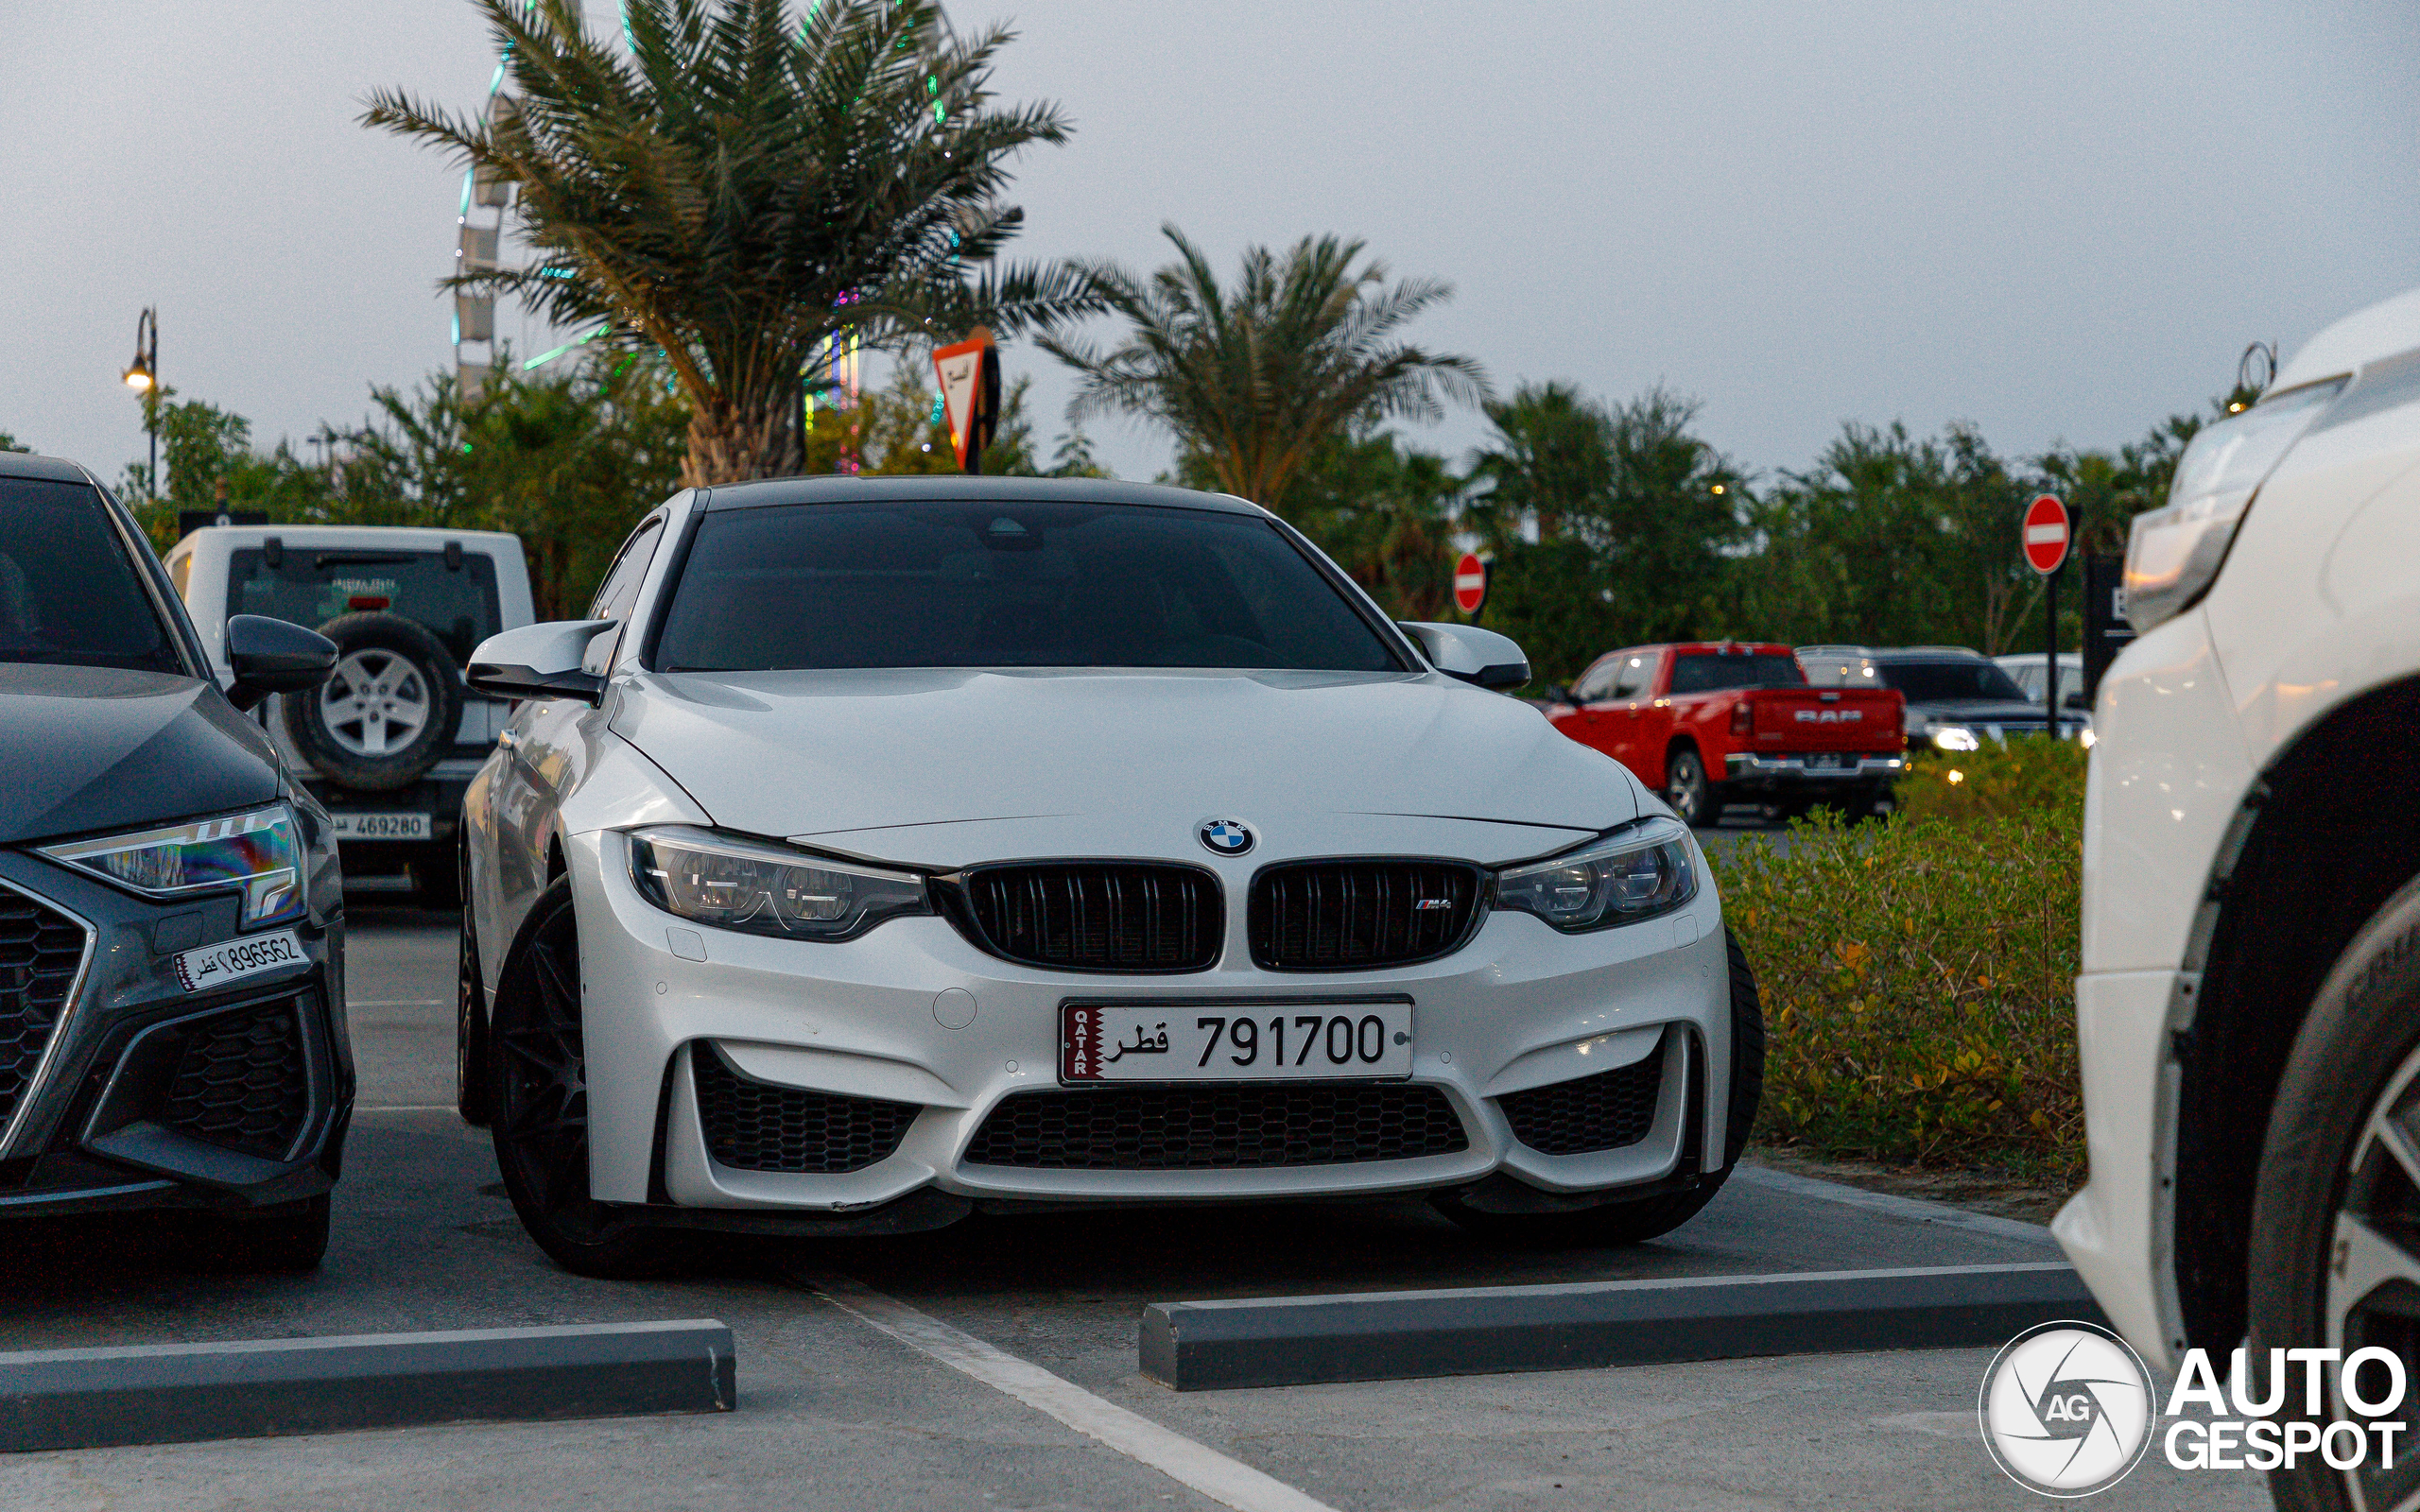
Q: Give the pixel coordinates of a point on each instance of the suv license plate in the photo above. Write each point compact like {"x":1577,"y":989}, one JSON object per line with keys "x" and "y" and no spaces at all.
{"x":1238,"y":1042}
{"x":381,"y":826}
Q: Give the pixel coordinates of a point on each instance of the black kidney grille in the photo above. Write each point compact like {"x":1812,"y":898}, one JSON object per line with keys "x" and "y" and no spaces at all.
{"x":40,"y":951}
{"x":1342,"y":916}
{"x":1099,"y":915}
{"x":243,"y":1081}
{"x":1606,"y":1112}
{"x":753,"y":1125}
{"x":1216,"y":1128}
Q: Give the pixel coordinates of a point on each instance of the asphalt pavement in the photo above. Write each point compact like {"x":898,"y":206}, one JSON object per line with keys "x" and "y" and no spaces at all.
{"x":896,"y":1385}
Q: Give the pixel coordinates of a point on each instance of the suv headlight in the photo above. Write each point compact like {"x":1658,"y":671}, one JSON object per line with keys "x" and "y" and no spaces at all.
{"x":760,"y":887}
{"x":1636,"y":872}
{"x":1953,"y":737}
{"x":256,"y":854}
{"x":2174,"y":553}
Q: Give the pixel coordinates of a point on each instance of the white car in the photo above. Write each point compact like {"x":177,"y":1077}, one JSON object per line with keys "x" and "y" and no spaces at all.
{"x":2249,"y":1007}
{"x":882,"y":848}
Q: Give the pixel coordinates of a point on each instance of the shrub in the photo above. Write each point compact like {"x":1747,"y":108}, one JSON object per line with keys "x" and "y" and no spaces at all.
{"x":2032,"y":775}
{"x":1918,"y":979}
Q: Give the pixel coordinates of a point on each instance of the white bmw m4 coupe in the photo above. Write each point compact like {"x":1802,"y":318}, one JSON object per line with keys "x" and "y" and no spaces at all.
{"x":880,"y":852}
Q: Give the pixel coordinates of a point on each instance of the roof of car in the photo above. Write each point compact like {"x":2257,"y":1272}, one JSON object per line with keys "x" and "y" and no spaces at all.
{"x":309,"y":538}
{"x":941,"y":488}
{"x":26,"y":465}
{"x":1895,"y":653}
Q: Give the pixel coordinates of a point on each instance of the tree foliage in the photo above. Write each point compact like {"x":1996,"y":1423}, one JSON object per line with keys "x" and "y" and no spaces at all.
{"x":737,"y":190}
{"x":1255,"y":379}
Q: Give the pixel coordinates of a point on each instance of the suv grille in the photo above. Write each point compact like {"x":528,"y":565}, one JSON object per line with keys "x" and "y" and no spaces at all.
{"x":1099,"y":915}
{"x":1606,"y":1112}
{"x":1345,"y":916}
{"x":41,"y":951}
{"x":753,"y":1125}
{"x":1202,"y":1128}
{"x":242,"y":1082}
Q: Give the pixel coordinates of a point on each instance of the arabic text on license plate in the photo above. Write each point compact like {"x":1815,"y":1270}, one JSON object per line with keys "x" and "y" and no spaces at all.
{"x":381,"y":826}
{"x":1233,"y":1041}
{"x":214,"y":966}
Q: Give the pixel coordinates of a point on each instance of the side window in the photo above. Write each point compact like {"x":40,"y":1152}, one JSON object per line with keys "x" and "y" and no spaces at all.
{"x":619,"y":594}
{"x":1593,"y":684}
{"x":1637,"y":672}
{"x":621,"y":587}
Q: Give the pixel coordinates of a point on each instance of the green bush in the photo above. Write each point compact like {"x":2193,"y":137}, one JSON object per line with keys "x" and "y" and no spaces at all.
{"x":1918,"y":980}
{"x":2032,"y":775}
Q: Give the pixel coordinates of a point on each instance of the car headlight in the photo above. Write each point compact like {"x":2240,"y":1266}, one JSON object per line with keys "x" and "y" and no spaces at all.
{"x":1954,"y":737}
{"x":1637,"y":873}
{"x":258,"y":854}
{"x":2172,"y":553}
{"x":759,"y":888}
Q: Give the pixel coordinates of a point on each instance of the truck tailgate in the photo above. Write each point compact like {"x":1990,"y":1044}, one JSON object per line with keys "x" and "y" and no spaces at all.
{"x":1824,"y":718}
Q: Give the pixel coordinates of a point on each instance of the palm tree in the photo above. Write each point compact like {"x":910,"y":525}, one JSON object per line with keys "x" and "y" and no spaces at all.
{"x":739,"y":190}
{"x":1254,"y":379}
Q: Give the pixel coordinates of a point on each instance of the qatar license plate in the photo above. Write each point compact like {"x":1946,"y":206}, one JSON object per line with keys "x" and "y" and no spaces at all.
{"x":381,"y":826}
{"x":1234,"y":1041}
{"x":214,"y":966}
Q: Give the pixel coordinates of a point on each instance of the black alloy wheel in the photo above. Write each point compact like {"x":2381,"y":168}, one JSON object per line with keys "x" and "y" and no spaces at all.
{"x":1686,"y":789}
{"x":538,"y":1105}
{"x":1644,"y":1218}
{"x":2335,"y":1253}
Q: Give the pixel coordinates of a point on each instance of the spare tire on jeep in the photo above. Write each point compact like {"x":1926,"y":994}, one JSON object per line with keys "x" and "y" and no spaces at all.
{"x":387,"y":712}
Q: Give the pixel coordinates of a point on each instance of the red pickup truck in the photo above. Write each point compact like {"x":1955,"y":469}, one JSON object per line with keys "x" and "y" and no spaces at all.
{"x":1709,"y":724}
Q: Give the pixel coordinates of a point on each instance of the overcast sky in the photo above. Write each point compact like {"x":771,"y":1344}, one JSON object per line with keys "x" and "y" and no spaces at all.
{"x":2060,"y":220}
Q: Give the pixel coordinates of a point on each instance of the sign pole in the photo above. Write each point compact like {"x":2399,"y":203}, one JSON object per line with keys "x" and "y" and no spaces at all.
{"x":2046,"y":537}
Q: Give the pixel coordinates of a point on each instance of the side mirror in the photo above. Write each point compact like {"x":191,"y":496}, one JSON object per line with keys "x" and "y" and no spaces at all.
{"x":539,"y":662}
{"x":271,"y":656}
{"x":1475,"y":656}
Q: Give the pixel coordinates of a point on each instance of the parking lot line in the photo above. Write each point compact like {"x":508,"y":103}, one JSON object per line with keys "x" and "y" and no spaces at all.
{"x":1205,"y":1469}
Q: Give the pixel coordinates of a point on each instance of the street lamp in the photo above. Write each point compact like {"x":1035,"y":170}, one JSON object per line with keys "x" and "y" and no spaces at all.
{"x":143,"y":376}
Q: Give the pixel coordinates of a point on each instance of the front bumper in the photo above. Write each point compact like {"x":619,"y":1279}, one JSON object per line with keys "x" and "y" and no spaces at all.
{"x":1754,"y":772}
{"x":1519,"y":1008}
{"x":139,"y":1094}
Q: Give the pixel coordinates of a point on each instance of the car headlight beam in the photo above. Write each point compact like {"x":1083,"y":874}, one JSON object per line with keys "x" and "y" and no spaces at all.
{"x":762,"y":887}
{"x":1636,"y":872}
{"x":256,"y":854}
{"x":1955,"y":737}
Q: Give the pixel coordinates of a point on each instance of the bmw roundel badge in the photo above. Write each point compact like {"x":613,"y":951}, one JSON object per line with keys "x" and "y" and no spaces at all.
{"x":1228,"y":837}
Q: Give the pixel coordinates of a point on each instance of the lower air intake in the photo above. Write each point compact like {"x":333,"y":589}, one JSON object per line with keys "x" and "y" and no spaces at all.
{"x":754,"y":1125}
{"x":1606,"y":1112}
{"x":1216,"y":1128}
{"x":243,"y":1081}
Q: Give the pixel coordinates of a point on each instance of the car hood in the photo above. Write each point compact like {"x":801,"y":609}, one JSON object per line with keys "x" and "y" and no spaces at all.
{"x":86,"y":748}
{"x":948,"y":766}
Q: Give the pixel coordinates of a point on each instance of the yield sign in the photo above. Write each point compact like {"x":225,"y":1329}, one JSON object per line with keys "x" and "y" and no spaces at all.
{"x":2046,"y":534}
{"x":961,"y":369}
{"x":1470,"y":583}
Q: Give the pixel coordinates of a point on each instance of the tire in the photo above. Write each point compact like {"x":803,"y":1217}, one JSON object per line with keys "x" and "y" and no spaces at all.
{"x":290,"y":1238}
{"x":2356,"y":1061}
{"x":1638,"y":1221}
{"x":387,"y":712}
{"x":1693,"y":796}
{"x":470,"y":1025}
{"x":537,"y":1106}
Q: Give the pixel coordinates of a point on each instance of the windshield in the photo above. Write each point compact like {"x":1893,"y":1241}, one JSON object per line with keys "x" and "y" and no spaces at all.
{"x":1710,"y":672}
{"x":1950,"y":681}
{"x":310,"y":587}
{"x":912,"y":584}
{"x":68,"y":592}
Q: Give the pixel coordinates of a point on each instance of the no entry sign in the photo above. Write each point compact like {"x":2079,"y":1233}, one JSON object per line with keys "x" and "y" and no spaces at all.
{"x":2046,"y":534}
{"x":1470,"y":583}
